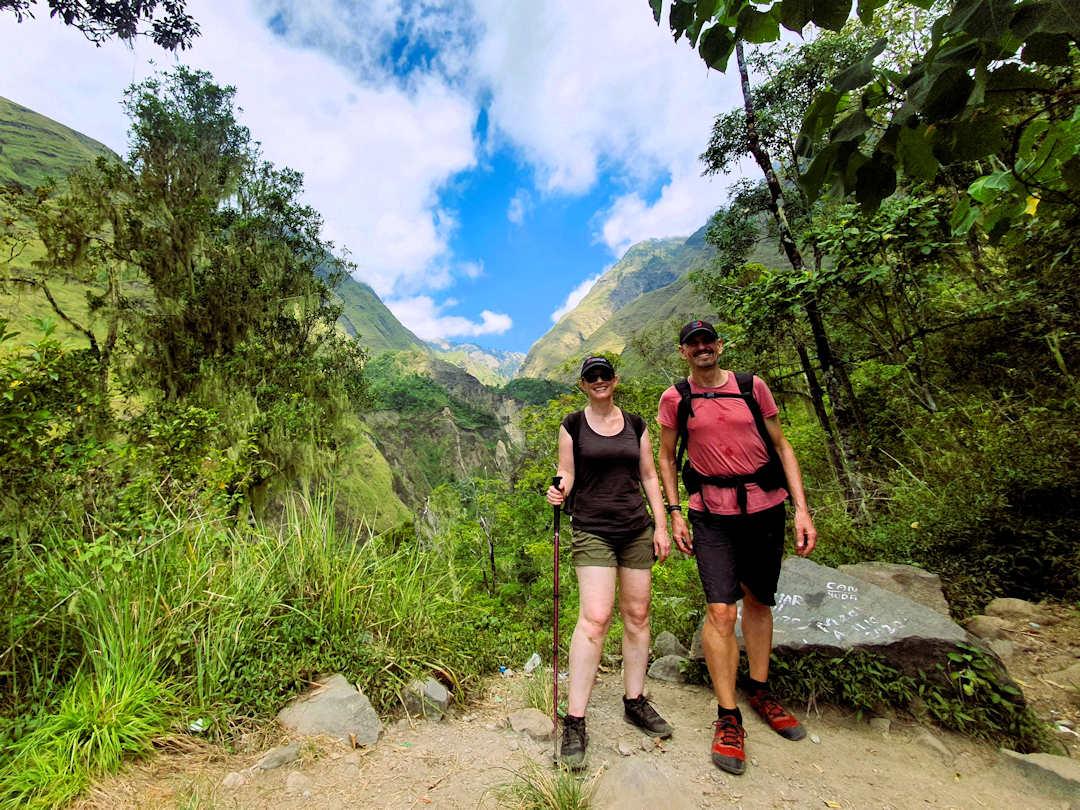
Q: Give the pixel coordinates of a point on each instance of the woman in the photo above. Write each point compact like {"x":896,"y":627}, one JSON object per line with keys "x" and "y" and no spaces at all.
{"x":605,"y":461}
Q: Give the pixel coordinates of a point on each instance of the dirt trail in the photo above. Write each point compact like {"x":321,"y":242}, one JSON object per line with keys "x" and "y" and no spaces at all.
{"x":456,"y":762}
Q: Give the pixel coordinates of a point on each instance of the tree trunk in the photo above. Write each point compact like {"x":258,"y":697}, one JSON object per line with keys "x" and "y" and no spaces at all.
{"x":834,"y":377}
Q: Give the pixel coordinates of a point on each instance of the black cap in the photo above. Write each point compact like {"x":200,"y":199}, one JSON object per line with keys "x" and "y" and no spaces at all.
{"x":596,"y":361}
{"x":694,"y":327}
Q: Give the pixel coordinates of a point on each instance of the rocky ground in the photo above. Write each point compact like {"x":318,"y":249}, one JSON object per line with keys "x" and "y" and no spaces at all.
{"x":846,"y":762}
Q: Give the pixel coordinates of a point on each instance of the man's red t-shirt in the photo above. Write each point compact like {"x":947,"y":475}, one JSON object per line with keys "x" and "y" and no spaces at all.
{"x":725,"y":441}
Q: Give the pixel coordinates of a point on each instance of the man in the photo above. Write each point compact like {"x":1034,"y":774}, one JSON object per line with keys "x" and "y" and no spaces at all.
{"x":738,"y":518}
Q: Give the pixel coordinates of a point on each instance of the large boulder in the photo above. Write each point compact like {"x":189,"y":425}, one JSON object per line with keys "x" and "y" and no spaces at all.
{"x":917,"y":584}
{"x":336,"y":708}
{"x":822,"y":609}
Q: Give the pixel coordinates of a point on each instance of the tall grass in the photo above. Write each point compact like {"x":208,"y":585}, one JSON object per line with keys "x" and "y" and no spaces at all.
{"x":537,"y":786}
{"x":187,"y":617}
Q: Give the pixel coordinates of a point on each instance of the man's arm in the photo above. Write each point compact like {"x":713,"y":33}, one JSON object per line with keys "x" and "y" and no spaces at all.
{"x":669,"y":479}
{"x":805,"y":533}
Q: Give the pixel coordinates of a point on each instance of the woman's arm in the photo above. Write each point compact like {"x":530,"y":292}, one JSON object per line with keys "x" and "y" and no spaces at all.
{"x":556,"y":496}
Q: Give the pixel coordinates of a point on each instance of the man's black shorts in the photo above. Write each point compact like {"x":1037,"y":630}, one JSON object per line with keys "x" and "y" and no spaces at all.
{"x":734,"y":549}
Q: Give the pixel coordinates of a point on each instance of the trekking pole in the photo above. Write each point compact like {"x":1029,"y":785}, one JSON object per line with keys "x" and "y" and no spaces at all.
{"x":555,"y":481}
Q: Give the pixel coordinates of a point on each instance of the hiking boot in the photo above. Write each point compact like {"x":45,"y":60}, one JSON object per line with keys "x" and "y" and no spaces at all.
{"x":779,"y":719}
{"x":639,"y":711}
{"x":727,"y":745}
{"x":574,"y":740}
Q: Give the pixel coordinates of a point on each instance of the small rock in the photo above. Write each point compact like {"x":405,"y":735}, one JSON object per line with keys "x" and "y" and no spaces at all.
{"x":532,"y":722}
{"x":1003,"y":648}
{"x":297,"y":782}
{"x":336,"y":708}
{"x":647,"y":743}
{"x":1015,"y":610}
{"x":489,"y":726}
{"x":667,"y":644}
{"x":986,"y":627}
{"x":934,"y":743}
{"x":814,"y":738}
{"x":624,"y":749}
{"x":428,"y":699}
{"x":880,"y":724}
{"x":233,"y":780}
{"x":610,"y":660}
{"x":1068,"y":678}
{"x":668,"y":668}
{"x":1058,"y":773}
{"x":277,"y":757}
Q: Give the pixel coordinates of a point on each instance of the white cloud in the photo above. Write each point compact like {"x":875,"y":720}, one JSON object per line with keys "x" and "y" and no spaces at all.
{"x":427,"y":320}
{"x":374,"y":155}
{"x":519,"y":204}
{"x":583,"y":87}
{"x":575,"y":296}
{"x":684,"y":205}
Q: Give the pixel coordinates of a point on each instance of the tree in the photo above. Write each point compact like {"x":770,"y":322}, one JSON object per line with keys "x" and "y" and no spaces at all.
{"x":955,"y":102}
{"x":209,"y":287}
{"x":169,"y":24}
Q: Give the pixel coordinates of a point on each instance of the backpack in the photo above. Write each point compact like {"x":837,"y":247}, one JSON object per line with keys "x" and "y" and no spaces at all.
{"x":768,"y":476}
{"x":573,"y":427}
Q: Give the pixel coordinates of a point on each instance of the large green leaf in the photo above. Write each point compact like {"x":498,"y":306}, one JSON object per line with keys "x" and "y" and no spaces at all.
{"x":757,"y":26}
{"x":657,"y":9}
{"x":875,"y":180}
{"x":969,"y":140}
{"x":716,"y":46}
{"x":861,"y":72}
{"x":795,"y":14}
{"x":987,"y":187}
{"x":817,"y":121}
{"x":831,"y":14}
{"x":948,"y":94}
{"x":851,"y":127}
{"x":866,"y":9}
{"x":915,"y":153}
{"x":1047,"y":49}
{"x":681,"y":17}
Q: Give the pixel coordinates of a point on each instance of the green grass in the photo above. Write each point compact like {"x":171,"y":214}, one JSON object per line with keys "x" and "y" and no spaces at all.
{"x":112,"y":642}
{"x":537,"y":786}
{"x":34,"y":147}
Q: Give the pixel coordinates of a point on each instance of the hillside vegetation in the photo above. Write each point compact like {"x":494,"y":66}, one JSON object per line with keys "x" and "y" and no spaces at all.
{"x":33,"y":147}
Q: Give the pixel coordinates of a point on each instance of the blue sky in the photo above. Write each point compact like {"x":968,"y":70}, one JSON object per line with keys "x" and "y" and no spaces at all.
{"x":483,"y":161}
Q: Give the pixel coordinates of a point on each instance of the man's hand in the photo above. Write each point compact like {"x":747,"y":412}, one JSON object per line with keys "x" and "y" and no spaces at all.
{"x":681,"y":532}
{"x":805,"y":533}
{"x":661,"y":543}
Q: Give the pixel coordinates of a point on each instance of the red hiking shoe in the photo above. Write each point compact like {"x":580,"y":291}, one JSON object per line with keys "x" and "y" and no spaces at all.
{"x":779,"y":719}
{"x":727,"y":745}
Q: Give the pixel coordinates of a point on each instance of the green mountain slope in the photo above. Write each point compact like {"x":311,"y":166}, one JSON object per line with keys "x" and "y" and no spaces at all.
{"x":33,"y":147}
{"x":367,"y":316}
{"x":612,"y":310}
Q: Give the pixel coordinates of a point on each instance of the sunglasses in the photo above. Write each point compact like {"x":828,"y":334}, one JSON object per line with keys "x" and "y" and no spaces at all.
{"x":593,"y":376}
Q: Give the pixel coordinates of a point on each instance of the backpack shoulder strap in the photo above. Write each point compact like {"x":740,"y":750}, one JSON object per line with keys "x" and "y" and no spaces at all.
{"x":746,"y":389}
{"x":636,"y":422}
{"x":682,"y":417}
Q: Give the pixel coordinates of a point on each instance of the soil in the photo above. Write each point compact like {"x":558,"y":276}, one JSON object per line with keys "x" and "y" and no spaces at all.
{"x":845,"y":761}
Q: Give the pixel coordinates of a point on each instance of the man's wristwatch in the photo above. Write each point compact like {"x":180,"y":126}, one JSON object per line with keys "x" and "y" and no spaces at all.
{"x":673,"y":507}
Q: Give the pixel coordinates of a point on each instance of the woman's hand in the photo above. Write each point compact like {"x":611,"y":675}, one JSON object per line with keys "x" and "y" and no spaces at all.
{"x":555,"y":496}
{"x":661,"y":543}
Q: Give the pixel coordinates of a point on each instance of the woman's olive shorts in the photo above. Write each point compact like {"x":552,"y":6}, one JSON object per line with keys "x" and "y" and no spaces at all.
{"x":593,"y":549}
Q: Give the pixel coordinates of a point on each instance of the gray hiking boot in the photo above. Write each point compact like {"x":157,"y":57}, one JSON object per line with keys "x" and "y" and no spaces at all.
{"x":640,"y":712}
{"x":574,"y":741}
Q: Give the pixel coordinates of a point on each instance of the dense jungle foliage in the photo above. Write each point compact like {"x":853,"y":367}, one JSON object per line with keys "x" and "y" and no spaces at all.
{"x":924,"y":354}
